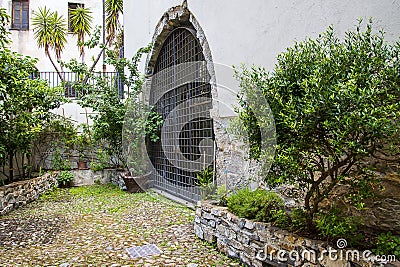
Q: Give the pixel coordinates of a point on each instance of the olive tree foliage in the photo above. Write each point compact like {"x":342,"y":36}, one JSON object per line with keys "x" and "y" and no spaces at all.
{"x":336,"y":103}
{"x":102,"y":95}
{"x":25,"y":104}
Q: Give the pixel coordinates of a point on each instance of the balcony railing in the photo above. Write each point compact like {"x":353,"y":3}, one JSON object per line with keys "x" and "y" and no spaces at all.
{"x":70,"y":78}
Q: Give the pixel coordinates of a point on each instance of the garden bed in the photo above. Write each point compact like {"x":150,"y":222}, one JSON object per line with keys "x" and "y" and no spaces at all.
{"x":258,"y":244}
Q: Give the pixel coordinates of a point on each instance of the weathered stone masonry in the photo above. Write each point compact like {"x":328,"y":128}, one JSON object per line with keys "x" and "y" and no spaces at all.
{"x":260,"y":244}
{"x":20,"y":193}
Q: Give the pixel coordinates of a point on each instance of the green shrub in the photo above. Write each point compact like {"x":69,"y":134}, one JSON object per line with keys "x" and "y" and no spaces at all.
{"x":58,"y":163}
{"x":298,"y":220}
{"x":335,"y":103}
{"x":388,"y":244}
{"x":103,"y":161}
{"x":335,"y":225}
{"x":260,"y":205}
{"x":222,"y":194}
{"x":65,"y":179}
{"x":279,"y":217}
{"x":205,"y":177}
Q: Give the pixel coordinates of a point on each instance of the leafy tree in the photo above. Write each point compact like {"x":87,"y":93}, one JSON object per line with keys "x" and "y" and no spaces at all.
{"x":103,"y":97}
{"x":81,"y":22}
{"x":25,"y":104}
{"x":336,"y":104}
{"x":50,"y":33}
{"x":4,"y":20}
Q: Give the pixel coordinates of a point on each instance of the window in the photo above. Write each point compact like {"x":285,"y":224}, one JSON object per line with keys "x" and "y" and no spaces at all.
{"x":20,"y":15}
{"x":72,"y":6}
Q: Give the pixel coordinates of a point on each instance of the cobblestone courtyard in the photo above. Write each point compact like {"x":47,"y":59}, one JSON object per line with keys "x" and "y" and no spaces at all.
{"x":93,"y":226}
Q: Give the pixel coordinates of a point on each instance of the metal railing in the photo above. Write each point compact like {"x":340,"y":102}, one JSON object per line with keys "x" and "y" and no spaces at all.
{"x":112,"y":79}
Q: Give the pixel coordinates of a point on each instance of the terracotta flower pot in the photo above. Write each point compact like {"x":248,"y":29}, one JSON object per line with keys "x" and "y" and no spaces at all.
{"x":82,"y":165}
{"x":135,"y":184}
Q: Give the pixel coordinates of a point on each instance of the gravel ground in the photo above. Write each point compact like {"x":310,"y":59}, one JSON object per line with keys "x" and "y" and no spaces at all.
{"x":93,"y":226}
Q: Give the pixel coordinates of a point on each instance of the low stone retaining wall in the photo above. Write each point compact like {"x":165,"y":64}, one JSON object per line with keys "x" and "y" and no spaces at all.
{"x":89,"y":177}
{"x":260,"y":244}
{"x":20,"y":193}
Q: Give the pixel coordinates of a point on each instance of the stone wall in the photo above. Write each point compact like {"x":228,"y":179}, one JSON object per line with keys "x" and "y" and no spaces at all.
{"x":20,"y":193}
{"x":89,"y":177}
{"x":260,"y":244}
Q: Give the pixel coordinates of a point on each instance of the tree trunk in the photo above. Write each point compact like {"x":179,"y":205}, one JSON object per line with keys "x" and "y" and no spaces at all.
{"x":54,"y":65}
{"x":22,"y":165}
{"x":95,"y":62}
{"x":11,"y":165}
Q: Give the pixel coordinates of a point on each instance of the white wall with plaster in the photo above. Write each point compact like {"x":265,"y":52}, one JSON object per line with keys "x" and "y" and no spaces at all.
{"x":24,"y":43}
{"x":254,"y":32}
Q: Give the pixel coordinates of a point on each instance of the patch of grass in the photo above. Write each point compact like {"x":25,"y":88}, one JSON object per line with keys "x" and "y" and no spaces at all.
{"x":55,"y":194}
{"x":96,"y":190}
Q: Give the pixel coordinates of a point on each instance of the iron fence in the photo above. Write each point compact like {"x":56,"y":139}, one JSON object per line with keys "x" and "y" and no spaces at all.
{"x":72,"y":79}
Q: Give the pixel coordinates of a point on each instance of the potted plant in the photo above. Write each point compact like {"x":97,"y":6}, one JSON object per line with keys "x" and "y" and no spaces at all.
{"x":65,"y":179}
{"x":81,"y":144}
{"x":140,"y":122}
{"x":205,"y":180}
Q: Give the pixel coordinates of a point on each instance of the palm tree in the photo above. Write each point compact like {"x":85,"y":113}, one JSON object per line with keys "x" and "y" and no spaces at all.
{"x":81,"y":24}
{"x":113,"y":8}
{"x":50,"y":33}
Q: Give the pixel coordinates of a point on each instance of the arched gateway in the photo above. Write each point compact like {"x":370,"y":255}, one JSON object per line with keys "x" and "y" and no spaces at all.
{"x":180,"y":92}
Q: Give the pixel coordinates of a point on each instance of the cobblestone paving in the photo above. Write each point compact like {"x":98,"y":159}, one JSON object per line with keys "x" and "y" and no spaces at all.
{"x":93,"y":226}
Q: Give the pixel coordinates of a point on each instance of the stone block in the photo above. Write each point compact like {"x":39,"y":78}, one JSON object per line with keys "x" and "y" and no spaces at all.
{"x":222,"y":245}
{"x":221,"y":229}
{"x":231,"y":217}
{"x":212,"y":224}
{"x":291,"y":238}
{"x":235,"y":244}
{"x":198,"y":212}
{"x":246,"y":259}
{"x":257,"y":245}
{"x":241,"y":222}
{"x":208,"y":216}
{"x":249,"y":225}
{"x":257,"y":263}
{"x":251,"y":235}
{"x":243,"y":239}
{"x":216,"y":211}
{"x":234,"y":227}
{"x":230,"y":234}
{"x":198,"y":231}
{"x":288,"y":246}
{"x":209,"y":236}
{"x":250,"y":251}
{"x":233,"y":253}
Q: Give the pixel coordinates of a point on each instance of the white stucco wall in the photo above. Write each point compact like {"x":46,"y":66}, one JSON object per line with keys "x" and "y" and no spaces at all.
{"x":24,"y":43}
{"x":254,"y":32}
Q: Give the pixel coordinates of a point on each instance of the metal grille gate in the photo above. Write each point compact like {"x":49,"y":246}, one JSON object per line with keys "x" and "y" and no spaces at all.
{"x":186,"y":145}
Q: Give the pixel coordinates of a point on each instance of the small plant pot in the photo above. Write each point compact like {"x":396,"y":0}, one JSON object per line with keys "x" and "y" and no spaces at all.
{"x":65,"y":185}
{"x":82,"y":165}
{"x":135,"y":184}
